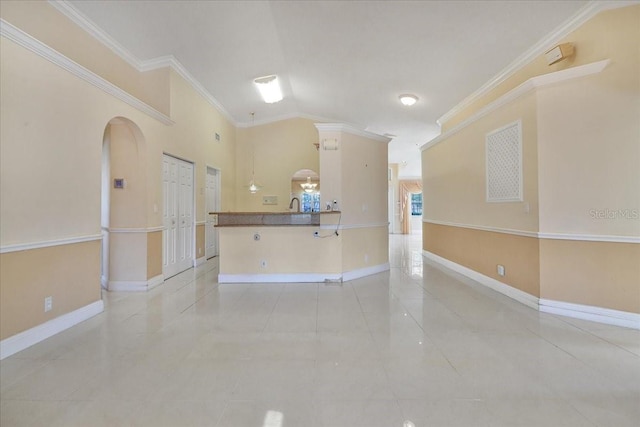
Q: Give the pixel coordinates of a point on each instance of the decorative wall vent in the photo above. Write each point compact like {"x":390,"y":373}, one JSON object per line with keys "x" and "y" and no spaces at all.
{"x":504,"y":163}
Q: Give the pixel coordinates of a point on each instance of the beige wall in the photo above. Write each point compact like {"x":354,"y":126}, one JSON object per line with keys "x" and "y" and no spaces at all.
{"x":453,"y":173}
{"x":364,"y":180}
{"x":601,"y":274}
{"x":364,"y":247}
{"x":607,"y":35}
{"x":581,"y":162}
{"x":68,"y":273}
{"x":53,"y":128}
{"x":281,"y":149}
{"x":482,"y":251}
{"x":200,"y":240}
{"x":154,"y":254}
{"x":287,"y":250}
{"x":42,"y":21}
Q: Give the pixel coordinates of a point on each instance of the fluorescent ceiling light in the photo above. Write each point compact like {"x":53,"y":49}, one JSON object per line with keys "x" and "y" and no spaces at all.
{"x":408,"y":99}
{"x":269,"y":88}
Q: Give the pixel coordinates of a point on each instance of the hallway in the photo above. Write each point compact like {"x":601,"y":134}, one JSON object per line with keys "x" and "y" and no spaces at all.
{"x":415,"y":346}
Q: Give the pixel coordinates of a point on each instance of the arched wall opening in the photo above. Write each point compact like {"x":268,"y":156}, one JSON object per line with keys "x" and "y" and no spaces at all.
{"x":123,"y":212}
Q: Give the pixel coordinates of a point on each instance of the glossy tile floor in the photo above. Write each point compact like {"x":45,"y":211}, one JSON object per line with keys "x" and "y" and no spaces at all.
{"x":412,"y":347}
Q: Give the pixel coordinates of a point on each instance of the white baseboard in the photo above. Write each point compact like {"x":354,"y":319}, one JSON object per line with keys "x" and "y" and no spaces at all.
{"x":594,"y":314}
{"x":278,"y":278}
{"x":511,"y":292}
{"x":199,"y":261}
{"x":135,"y":285}
{"x":578,"y":311}
{"x":41,"y":332}
{"x":155,"y":281}
{"x":367,"y":271}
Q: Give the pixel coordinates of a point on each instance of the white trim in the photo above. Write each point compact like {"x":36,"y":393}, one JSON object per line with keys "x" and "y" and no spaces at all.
{"x":578,"y":311}
{"x":49,"y":243}
{"x":483,"y":228}
{"x":19,"y":342}
{"x":279,"y":278}
{"x":197,"y":223}
{"x":513,"y":94}
{"x":367,"y":271}
{"x":78,"y":18}
{"x":345,"y":128}
{"x":25,"y":40}
{"x":170,"y":61}
{"x":199,"y":261}
{"x":590,"y":10}
{"x":594,"y":314}
{"x":155,"y":281}
{"x":516,"y":294}
{"x":590,"y":237}
{"x":541,"y":235}
{"x":281,"y":117}
{"x":136,"y":230}
{"x":135,"y":285}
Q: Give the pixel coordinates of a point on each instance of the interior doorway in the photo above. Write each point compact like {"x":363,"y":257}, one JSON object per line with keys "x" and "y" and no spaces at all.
{"x":212,"y":205}
{"x":178,"y":242}
{"x":105,"y":206}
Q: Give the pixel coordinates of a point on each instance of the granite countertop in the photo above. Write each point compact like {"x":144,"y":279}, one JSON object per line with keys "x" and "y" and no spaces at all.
{"x":241,"y":219}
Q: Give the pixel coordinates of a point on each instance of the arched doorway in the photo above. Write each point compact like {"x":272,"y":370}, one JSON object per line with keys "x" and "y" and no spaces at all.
{"x":123,"y":210}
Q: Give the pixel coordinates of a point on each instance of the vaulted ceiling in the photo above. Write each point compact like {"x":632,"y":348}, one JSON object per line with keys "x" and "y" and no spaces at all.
{"x":339,"y":61}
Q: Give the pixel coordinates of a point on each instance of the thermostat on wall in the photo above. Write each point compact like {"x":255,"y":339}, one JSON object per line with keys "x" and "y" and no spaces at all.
{"x":118,"y":183}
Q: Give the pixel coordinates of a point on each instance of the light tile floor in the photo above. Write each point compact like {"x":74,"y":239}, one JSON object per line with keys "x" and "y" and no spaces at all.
{"x":416,"y":346}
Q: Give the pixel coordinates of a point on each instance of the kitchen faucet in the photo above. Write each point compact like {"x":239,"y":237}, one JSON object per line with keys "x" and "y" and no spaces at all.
{"x":291,"y":204}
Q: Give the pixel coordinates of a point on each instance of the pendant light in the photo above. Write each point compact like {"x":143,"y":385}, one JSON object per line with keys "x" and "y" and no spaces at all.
{"x":253,"y":185}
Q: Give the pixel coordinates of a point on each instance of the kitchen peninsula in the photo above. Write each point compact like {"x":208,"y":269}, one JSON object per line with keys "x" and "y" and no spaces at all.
{"x":282,"y":246}
{"x":279,"y":246}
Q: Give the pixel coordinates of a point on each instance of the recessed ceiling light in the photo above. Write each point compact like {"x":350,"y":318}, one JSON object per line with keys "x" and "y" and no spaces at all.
{"x":408,"y":99}
{"x":269,"y":88}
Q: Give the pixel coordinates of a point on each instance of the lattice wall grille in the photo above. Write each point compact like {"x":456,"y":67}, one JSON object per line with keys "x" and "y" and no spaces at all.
{"x":504,"y":164}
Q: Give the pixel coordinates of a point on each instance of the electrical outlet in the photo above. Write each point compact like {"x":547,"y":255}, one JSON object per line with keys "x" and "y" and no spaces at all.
{"x":501,"y":271}
{"x":366,"y":258}
{"x":48,"y":304}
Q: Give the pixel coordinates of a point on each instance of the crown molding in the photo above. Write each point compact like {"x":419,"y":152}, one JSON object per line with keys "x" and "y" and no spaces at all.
{"x":169,"y":61}
{"x":513,"y":94}
{"x":345,"y":128}
{"x":288,"y":116}
{"x":23,"y":39}
{"x":590,"y":10}
{"x":77,"y":17}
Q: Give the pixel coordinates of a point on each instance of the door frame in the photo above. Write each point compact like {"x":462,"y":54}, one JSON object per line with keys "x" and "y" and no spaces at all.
{"x":193,"y":210}
{"x":218,"y":201}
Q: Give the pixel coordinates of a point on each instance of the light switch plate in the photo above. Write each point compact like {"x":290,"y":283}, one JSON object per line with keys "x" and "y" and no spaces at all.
{"x":269,"y":200}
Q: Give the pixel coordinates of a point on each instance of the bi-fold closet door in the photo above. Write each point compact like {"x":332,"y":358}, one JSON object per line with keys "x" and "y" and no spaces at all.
{"x":178,"y":234}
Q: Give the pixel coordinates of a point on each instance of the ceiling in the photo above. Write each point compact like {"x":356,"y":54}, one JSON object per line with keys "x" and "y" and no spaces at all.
{"x":337,"y":61}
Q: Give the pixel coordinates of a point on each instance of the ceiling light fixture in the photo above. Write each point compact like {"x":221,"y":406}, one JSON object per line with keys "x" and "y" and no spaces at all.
{"x":269,"y":88}
{"x":309,"y":187}
{"x":408,"y":99}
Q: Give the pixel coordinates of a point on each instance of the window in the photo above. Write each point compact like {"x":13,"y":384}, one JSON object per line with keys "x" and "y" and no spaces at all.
{"x":310,"y":202}
{"x":416,"y":204}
